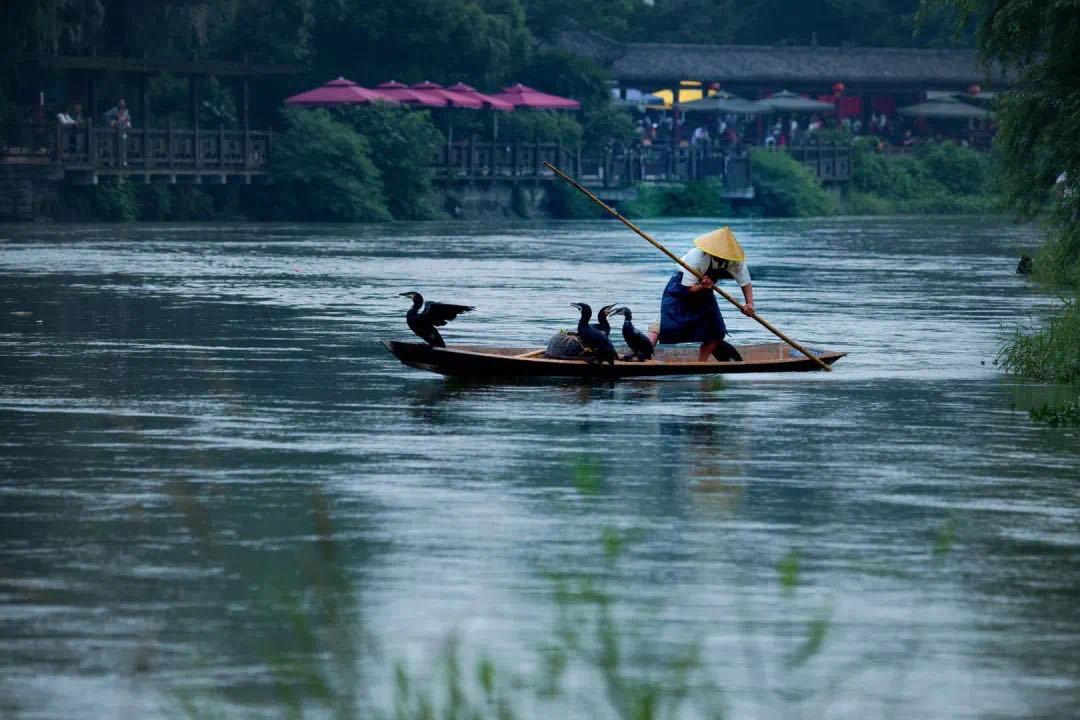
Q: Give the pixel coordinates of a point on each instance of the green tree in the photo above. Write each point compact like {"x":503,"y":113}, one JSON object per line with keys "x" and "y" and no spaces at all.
{"x":403,"y":143}
{"x":412,"y":40}
{"x":564,"y":74}
{"x":323,"y":170}
{"x":1038,"y":42}
{"x":614,"y":18}
{"x":784,"y":187}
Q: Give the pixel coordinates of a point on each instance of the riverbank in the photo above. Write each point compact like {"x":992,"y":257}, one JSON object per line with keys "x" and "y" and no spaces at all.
{"x":934,"y":178}
{"x":1049,"y":352}
{"x":371,"y":164}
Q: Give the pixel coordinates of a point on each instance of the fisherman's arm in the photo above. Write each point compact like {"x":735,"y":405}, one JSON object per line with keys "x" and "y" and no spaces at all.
{"x":748,"y":293}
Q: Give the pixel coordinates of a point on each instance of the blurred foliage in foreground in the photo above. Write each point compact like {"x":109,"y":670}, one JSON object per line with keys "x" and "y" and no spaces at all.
{"x":602,"y":658}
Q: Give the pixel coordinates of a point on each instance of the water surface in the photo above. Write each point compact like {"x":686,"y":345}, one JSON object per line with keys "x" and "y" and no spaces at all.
{"x":203,"y":439}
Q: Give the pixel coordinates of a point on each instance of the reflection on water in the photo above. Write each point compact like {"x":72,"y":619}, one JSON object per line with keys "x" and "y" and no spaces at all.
{"x":216,"y":480}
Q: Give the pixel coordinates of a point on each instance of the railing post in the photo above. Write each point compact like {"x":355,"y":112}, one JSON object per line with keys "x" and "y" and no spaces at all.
{"x":472,"y":156}
{"x":196,"y":155}
{"x":169,"y":145}
{"x":91,"y":144}
{"x":515,"y":159}
{"x":221,"y":146}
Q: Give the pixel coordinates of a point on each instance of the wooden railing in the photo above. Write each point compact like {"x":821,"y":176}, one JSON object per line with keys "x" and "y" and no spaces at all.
{"x":614,"y":167}
{"x":492,"y":160}
{"x":619,"y":166}
{"x":84,"y":147}
{"x":830,"y":163}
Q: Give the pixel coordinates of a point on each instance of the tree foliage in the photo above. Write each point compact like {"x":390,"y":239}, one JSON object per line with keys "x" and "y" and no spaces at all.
{"x":830,"y":22}
{"x":784,"y":187}
{"x":323,"y":170}
{"x":414,"y":40}
{"x":1039,"y":117}
{"x":403,"y":143}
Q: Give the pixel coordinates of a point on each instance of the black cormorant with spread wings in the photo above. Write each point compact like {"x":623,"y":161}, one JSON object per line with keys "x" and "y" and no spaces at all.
{"x":424,"y":317}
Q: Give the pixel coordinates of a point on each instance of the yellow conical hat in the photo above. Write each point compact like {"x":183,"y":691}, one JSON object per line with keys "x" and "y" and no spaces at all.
{"x":722,"y":244}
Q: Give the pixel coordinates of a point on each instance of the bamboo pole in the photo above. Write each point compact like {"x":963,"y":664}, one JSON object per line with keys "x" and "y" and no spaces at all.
{"x":615,"y":214}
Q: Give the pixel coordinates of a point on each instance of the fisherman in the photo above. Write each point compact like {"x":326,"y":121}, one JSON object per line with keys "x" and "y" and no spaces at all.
{"x":688,"y":309}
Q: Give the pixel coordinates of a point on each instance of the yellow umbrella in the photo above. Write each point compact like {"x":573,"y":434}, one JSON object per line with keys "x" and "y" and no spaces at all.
{"x":689,"y":90}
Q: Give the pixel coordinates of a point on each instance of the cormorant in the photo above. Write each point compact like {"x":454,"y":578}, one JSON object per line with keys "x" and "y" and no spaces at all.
{"x":602,"y":323}
{"x":642,"y":348}
{"x":593,"y":339}
{"x":435,"y":314}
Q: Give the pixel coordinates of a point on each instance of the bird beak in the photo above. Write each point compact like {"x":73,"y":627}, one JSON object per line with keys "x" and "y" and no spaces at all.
{"x":408,"y":294}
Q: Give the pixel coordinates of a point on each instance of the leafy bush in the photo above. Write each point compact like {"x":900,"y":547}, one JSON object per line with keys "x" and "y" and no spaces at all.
{"x":899,"y":177}
{"x":701,"y":198}
{"x":540,"y":126}
{"x":155,"y":201}
{"x":565,"y":202}
{"x":649,"y":201}
{"x":324,"y":171}
{"x":1066,"y":414}
{"x":607,"y":122}
{"x":1058,"y":261}
{"x":191,"y":202}
{"x":115,"y":201}
{"x":1050,"y":354}
{"x":784,"y":187}
{"x":861,"y":203}
{"x":403,"y":143}
{"x":960,"y":170}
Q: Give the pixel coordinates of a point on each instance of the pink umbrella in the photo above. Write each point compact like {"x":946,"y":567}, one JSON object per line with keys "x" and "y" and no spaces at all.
{"x":455,"y":99}
{"x":489,"y":100}
{"x":403,"y":93}
{"x":521,"y":96}
{"x":338,"y":92}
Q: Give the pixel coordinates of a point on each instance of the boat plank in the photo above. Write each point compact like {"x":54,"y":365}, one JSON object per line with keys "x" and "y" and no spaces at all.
{"x":480,"y":361}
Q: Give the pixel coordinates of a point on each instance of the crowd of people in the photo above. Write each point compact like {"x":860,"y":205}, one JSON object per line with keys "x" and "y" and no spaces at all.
{"x":730,"y":130}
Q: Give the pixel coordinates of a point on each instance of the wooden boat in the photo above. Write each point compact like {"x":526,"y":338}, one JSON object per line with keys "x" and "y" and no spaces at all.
{"x":479,"y":361}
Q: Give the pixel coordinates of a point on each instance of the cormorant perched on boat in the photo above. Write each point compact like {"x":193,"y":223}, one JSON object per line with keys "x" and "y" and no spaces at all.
{"x":593,"y":339}
{"x":636,"y":340}
{"x":602,"y":323}
{"x":434,"y":314}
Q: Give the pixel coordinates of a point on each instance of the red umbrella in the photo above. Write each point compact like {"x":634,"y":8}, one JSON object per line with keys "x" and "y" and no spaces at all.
{"x":489,"y":100}
{"x":403,"y":93}
{"x":338,"y":92}
{"x":521,"y":96}
{"x":455,"y":99}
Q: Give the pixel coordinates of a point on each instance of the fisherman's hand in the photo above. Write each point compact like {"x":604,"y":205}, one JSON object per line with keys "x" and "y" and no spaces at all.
{"x":748,"y":308}
{"x":706,"y":283}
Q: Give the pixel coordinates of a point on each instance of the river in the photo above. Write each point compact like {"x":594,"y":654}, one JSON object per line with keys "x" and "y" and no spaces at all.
{"x":220,"y":494}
